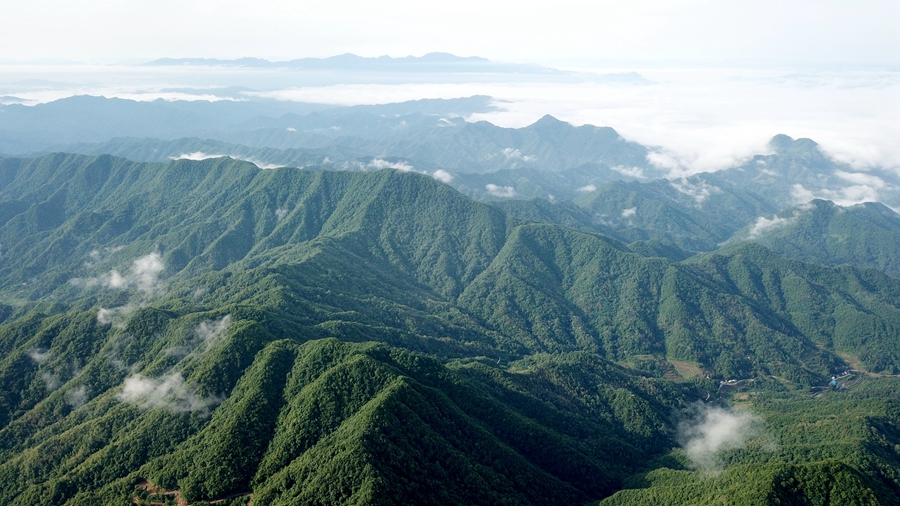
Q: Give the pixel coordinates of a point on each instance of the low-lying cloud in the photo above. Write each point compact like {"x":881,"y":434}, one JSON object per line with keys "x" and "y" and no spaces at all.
{"x":378,"y":164}
{"x":699,"y":191}
{"x":38,"y":355}
{"x":500,"y":191}
{"x":197,"y":156}
{"x":169,"y":392}
{"x":712,"y":430}
{"x":143,"y":275}
{"x":586,"y":188}
{"x":516,"y":154}
{"x":77,"y":397}
{"x":764,"y":225}
{"x":210,"y":331}
{"x":443,"y":176}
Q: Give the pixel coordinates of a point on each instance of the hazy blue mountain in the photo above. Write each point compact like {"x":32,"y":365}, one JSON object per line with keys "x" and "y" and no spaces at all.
{"x":26,"y":129}
{"x":444,"y":63}
{"x":798,"y":171}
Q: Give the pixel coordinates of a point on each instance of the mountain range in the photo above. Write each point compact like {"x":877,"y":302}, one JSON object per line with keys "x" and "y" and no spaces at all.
{"x":393,"y":305}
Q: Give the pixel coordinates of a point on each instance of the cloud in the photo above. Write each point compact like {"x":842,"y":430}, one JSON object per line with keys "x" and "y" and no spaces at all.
{"x":635,"y":172}
{"x":711,"y":430}
{"x":586,"y":188}
{"x":51,"y":381}
{"x":515,"y":154}
{"x":38,"y":356}
{"x":764,"y":225}
{"x":443,"y":176}
{"x":211,"y":331}
{"x":78,"y":396}
{"x":699,"y":191}
{"x":108,"y":316}
{"x":197,"y":156}
{"x":846,"y":196}
{"x":143,"y":275}
{"x":169,"y":392}
{"x":500,"y":191}
{"x":378,"y":164}
{"x":629,"y":212}
{"x":281,"y":213}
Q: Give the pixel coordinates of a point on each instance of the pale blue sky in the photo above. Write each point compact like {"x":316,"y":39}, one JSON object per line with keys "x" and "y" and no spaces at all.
{"x":561,"y":32}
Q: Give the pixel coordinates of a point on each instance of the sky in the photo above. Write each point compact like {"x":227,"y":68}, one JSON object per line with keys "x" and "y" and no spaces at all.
{"x":725,"y":76}
{"x":562,"y":32}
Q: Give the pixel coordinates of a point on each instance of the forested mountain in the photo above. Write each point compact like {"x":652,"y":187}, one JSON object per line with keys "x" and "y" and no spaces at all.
{"x":864,"y":235}
{"x":311,"y":336}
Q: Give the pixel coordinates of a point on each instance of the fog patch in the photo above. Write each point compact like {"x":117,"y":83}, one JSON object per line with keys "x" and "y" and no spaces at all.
{"x":442,"y":176}
{"x":281,"y":213}
{"x":38,"y":355}
{"x":631,"y":211}
{"x":515,"y":154}
{"x":211,"y":331}
{"x":77,"y":397}
{"x":113,"y":316}
{"x":586,"y":188}
{"x":699,"y":191}
{"x":635,"y":172}
{"x":168,"y":392}
{"x":378,"y":164}
{"x":847,"y":196}
{"x":51,"y":381}
{"x":764,"y":225}
{"x":500,"y":191}
{"x":196,"y":156}
{"x":711,"y":430}
{"x":143,"y":275}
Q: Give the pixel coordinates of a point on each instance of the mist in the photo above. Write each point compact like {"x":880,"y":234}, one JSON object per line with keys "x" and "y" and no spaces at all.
{"x":710,"y":431}
{"x":168,"y":392}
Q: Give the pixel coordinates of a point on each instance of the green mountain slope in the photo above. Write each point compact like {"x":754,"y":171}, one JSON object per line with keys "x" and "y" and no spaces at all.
{"x":166,"y":328}
{"x":864,"y":235}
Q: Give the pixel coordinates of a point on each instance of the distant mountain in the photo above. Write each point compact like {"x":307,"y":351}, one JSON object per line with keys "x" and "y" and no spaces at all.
{"x":864,"y":235}
{"x":798,"y":171}
{"x":429,"y":63}
{"x":694,"y":213}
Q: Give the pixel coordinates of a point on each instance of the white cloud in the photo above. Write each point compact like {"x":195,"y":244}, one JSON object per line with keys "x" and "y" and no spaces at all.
{"x":39,"y":356}
{"x":108,"y":316}
{"x":699,"y":191}
{"x":143,"y":275}
{"x":764,"y":225}
{"x":712,"y":430}
{"x":196,"y":156}
{"x":211,"y":331}
{"x":51,"y":381}
{"x":586,"y":188}
{"x":281,"y":213}
{"x":635,"y":172}
{"x":847,"y":196}
{"x":378,"y":164}
{"x":77,"y":397}
{"x":631,"y":211}
{"x":200,"y":155}
{"x":500,"y":191}
{"x":443,"y":176}
{"x":511,"y":154}
{"x":168,"y":391}
{"x":861,"y":179}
